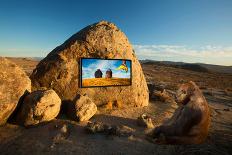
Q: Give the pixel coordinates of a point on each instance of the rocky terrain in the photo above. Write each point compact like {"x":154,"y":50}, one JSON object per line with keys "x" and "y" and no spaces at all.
{"x":50,"y":114}
{"x":28,"y":64}
{"x":63,"y":136}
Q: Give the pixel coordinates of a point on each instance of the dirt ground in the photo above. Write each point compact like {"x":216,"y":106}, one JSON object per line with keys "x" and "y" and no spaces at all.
{"x":47,"y":138}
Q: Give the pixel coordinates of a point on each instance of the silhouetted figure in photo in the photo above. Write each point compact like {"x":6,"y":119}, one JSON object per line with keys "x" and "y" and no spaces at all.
{"x":109,"y":73}
{"x":98,"y":74}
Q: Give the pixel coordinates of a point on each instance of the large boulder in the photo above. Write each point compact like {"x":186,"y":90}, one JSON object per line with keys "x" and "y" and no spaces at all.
{"x":13,"y":84}
{"x":60,"y":69}
{"x":39,"y":106}
{"x":82,"y":109}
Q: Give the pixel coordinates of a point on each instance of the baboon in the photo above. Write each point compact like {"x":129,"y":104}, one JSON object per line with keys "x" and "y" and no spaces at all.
{"x":190,"y":122}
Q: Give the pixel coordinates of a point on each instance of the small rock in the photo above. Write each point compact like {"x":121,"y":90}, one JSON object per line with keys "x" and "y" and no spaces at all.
{"x":95,"y":127}
{"x":124,"y":131}
{"x":64,"y":129}
{"x":163,"y":96}
{"x":83,"y":109}
{"x":62,"y":134}
{"x":114,"y":130}
{"x":39,"y":106}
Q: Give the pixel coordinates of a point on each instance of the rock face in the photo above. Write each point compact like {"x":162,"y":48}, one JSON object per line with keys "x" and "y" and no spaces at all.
{"x":60,"y":69}
{"x":39,"y":106}
{"x":13,"y":84}
{"x":83,"y":109}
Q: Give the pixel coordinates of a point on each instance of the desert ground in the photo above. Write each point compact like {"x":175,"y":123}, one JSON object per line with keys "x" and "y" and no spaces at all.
{"x":47,"y":138}
{"x":105,"y":81}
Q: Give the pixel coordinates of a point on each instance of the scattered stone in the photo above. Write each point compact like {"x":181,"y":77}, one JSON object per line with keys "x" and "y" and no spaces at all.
{"x":145,"y":121}
{"x":64,"y":129}
{"x":163,"y":96}
{"x":94,"y":127}
{"x":155,"y":86}
{"x":39,"y":106}
{"x":83,"y":109}
{"x":60,"y":69}
{"x":124,"y":131}
{"x":158,"y":86}
{"x":14,"y":83}
{"x":98,"y":127}
{"x":62,"y":133}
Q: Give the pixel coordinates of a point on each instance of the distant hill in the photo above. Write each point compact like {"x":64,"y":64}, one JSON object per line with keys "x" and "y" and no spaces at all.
{"x":198,"y":67}
{"x":37,"y":58}
{"x":26,"y":58}
{"x":218,"y":68}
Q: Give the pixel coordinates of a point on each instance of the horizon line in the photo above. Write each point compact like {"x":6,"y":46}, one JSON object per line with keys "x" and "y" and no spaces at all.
{"x":41,"y":58}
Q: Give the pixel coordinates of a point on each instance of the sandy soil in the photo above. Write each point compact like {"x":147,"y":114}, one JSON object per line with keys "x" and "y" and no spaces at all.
{"x":46,"y":139}
{"x":105,"y":82}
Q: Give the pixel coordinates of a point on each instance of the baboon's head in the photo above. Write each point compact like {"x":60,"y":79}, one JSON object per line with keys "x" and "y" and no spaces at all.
{"x":184,"y":92}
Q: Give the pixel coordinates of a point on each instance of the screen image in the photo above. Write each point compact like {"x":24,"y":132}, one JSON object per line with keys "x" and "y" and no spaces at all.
{"x":105,"y":72}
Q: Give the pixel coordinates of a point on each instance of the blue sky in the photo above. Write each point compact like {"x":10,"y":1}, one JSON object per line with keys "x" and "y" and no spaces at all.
{"x":176,"y":30}
{"x":89,"y":66}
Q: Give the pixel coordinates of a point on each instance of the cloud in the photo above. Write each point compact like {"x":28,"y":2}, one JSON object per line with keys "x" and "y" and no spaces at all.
{"x":88,"y":72}
{"x":121,"y":74}
{"x":203,"y":54}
